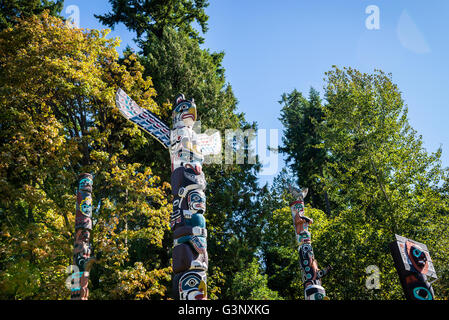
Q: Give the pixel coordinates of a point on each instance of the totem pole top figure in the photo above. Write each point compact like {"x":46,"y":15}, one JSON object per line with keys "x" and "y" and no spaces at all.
{"x":300,"y":221}
{"x":184,"y":112}
{"x":184,"y":147}
{"x":311,"y":273}
{"x":184,"y":115}
{"x":300,"y":195}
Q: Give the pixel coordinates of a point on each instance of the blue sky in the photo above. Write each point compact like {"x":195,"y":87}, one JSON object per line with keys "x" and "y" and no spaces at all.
{"x":273,"y":47}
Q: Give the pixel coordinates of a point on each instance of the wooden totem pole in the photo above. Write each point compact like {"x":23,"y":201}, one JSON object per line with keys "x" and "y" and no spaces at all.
{"x":311,"y":274}
{"x":82,"y":258}
{"x":415,"y":268}
{"x":187,"y":150}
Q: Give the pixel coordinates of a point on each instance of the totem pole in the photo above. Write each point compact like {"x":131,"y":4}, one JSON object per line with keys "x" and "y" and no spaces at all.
{"x":82,"y":258}
{"x":187,"y":151}
{"x":414,"y":266}
{"x":190,"y":260}
{"x":311,"y":274}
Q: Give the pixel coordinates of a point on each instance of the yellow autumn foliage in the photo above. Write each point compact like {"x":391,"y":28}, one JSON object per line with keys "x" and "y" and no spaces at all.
{"x":58,"y":120}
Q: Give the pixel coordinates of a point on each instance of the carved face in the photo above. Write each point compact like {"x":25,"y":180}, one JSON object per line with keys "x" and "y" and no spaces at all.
{"x":83,"y":249}
{"x":85,"y":183}
{"x":417,"y":257}
{"x":298,"y":208}
{"x":184,"y":113}
{"x":315,"y":292}
{"x":82,"y":236}
{"x":196,"y":201}
{"x":418,"y":287}
{"x":192,"y":286}
{"x":86,"y":206}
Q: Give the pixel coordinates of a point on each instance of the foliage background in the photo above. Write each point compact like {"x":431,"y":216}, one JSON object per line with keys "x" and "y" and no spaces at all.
{"x":368,"y":173}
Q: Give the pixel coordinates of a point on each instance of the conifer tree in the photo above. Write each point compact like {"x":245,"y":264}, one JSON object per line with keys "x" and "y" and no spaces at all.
{"x":173,"y":58}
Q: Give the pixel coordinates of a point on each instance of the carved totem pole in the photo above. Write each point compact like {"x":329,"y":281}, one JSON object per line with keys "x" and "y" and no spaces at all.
{"x":414,"y":266}
{"x":311,"y":274}
{"x":187,"y":151}
{"x":82,"y":258}
{"x":190,"y":260}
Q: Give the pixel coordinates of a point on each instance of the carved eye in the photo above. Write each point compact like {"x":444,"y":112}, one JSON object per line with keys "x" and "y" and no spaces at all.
{"x":183,"y":107}
{"x":416,"y":252}
{"x":192,"y":283}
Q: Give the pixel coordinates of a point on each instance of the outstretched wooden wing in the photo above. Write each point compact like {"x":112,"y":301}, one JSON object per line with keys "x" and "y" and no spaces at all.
{"x":143,"y":118}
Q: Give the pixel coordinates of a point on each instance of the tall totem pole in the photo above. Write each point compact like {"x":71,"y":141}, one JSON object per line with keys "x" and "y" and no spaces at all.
{"x":82,"y":258}
{"x":311,"y":274}
{"x":187,"y":151}
{"x":190,"y":260}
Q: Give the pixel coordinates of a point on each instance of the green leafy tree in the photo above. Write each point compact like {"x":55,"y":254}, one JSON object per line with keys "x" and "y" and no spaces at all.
{"x":380,"y":171}
{"x":380,"y":178}
{"x":250,"y":284}
{"x":12,"y":10}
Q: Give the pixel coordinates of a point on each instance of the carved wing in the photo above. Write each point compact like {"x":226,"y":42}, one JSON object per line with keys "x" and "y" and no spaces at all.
{"x":143,"y":118}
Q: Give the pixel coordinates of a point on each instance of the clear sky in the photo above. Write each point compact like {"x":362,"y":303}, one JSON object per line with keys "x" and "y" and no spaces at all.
{"x":273,"y":47}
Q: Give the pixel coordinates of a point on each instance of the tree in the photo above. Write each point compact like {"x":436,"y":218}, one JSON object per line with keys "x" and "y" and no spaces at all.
{"x":171,"y":55}
{"x":58,"y":119}
{"x":301,"y":118}
{"x":380,"y":170}
{"x":381,"y":181}
{"x":12,"y":10}
{"x":150,"y":18}
{"x":250,"y":284}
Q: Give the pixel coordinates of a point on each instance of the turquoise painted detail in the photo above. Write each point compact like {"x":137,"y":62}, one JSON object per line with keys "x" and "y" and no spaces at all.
{"x":197,"y":220}
{"x":419,"y":297}
{"x":417,"y":252}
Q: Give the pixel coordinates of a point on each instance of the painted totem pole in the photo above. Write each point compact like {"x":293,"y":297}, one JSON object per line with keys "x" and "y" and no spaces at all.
{"x":414,"y":266}
{"x":190,"y":260}
{"x":187,"y":151}
{"x":82,"y":258}
{"x":311,"y":274}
